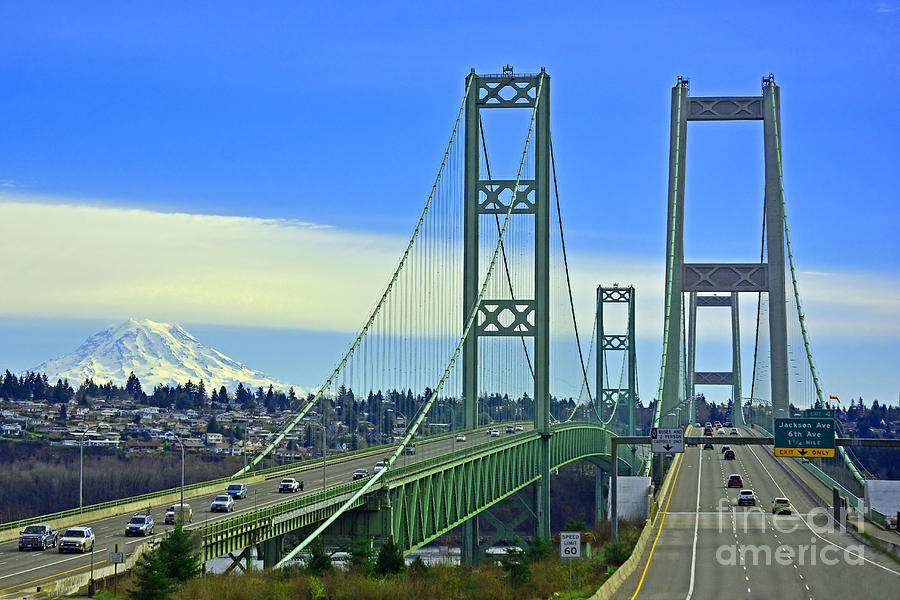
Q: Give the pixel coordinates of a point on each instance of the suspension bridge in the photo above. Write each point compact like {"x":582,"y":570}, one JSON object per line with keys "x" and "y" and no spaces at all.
{"x":476,"y":326}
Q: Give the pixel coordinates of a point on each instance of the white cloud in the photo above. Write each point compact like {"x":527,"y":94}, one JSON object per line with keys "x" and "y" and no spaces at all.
{"x":84,"y":261}
{"x":884,"y":7}
{"x":74,"y":260}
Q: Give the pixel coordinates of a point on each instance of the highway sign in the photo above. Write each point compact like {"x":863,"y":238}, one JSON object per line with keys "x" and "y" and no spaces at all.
{"x":667,"y":439}
{"x":570,"y":544}
{"x":809,"y":438}
{"x":819,"y":413}
{"x":116,"y":555}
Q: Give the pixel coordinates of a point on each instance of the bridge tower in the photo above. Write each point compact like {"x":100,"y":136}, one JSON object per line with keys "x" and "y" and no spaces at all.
{"x":485,"y":198}
{"x":627,"y":396}
{"x":732,"y":377}
{"x":732,"y":278}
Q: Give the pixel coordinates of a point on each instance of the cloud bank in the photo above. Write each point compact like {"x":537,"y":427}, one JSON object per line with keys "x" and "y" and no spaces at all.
{"x":75,"y":260}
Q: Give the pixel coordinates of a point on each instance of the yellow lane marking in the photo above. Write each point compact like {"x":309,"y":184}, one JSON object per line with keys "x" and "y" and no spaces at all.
{"x":661,"y":523}
{"x":12,"y":587}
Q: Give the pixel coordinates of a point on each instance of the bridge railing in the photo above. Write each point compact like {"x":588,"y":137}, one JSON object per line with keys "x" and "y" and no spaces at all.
{"x":268,"y":473}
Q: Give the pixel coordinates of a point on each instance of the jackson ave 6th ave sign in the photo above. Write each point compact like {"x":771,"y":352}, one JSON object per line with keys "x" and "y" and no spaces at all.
{"x":804,"y":437}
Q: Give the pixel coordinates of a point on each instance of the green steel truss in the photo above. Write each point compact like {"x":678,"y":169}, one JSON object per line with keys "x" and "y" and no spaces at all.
{"x":419,"y":502}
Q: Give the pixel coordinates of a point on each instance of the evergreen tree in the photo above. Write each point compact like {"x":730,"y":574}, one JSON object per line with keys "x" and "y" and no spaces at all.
{"x":133,"y":387}
{"x":319,"y":559}
{"x":390,"y":558}
{"x":176,"y":551}
{"x":223,"y":395}
{"x":149,"y":579}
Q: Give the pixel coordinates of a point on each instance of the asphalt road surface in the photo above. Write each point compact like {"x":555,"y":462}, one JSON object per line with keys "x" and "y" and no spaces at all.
{"x":708,"y":547}
{"x":19,"y":570}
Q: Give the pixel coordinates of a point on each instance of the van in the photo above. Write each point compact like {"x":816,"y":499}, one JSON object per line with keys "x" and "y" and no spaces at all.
{"x":183,"y":511}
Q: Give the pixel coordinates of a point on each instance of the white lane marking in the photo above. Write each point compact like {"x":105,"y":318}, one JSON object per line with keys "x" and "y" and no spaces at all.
{"x":44,"y":566}
{"x":814,"y":532}
{"x":696,"y":527}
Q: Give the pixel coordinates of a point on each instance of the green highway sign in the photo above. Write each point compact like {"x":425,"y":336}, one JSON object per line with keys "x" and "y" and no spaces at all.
{"x":804,"y":437}
{"x":819,"y":413}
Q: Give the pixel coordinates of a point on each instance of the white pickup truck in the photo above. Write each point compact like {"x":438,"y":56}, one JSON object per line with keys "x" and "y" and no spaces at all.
{"x":289,"y":484}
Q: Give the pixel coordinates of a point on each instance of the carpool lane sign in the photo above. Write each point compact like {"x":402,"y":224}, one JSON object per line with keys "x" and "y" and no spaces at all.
{"x":667,"y":439}
{"x":808,"y":438}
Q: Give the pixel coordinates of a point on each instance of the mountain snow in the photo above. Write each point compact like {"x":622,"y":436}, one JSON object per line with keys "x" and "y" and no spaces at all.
{"x":158,"y":353}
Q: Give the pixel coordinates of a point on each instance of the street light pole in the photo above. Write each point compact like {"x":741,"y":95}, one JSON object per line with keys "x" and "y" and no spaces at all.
{"x":181,"y":507}
{"x":81,"y":469}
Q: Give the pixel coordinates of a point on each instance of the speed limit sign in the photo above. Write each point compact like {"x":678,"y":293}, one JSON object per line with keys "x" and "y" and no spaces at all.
{"x":570,"y":544}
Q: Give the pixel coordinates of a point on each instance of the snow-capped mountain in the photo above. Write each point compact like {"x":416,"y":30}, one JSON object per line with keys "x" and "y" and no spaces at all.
{"x":158,"y":353}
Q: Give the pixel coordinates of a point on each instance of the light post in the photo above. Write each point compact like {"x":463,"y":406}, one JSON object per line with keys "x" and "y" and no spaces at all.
{"x":81,"y":467}
{"x":181,"y":507}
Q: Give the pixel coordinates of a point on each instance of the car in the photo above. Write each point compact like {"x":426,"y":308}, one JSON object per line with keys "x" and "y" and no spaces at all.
{"x":409,"y":449}
{"x":690,"y":443}
{"x":519,"y":428}
{"x":460,"y":438}
{"x":733,"y":431}
{"x":379,"y":466}
{"x":37,"y":537}
{"x":184,"y":510}
{"x":139,"y":525}
{"x":729,"y":424}
{"x":707,"y":446}
{"x":729,"y":455}
{"x":76,"y":539}
{"x":805,"y":460}
{"x":746,"y":497}
{"x":720,"y":431}
{"x":718,"y":423}
{"x":735,"y":480}
{"x":708,"y":424}
{"x":236,"y":490}
{"x":782,"y":506}
{"x":510,"y":429}
{"x":725,"y":447}
{"x":494,"y":432}
{"x":222,"y":503}
{"x":290,"y":485}
{"x":360,"y":474}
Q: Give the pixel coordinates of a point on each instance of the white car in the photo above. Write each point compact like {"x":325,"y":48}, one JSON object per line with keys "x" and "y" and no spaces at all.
{"x":460,"y":438}
{"x":222,"y":503}
{"x":519,"y":428}
{"x":720,"y":431}
{"x":379,"y":466}
{"x":76,"y":539}
{"x":494,"y":433}
{"x":746,"y":497}
{"x":733,"y":431}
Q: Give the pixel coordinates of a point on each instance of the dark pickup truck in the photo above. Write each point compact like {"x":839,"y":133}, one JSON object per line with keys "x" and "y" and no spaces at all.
{"x":37,"y":537}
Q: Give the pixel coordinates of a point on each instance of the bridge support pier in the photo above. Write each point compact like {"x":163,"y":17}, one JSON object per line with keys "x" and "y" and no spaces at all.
{"x":469,"y":554}
{"x":271,"y":551}
{"x":599,"y":508}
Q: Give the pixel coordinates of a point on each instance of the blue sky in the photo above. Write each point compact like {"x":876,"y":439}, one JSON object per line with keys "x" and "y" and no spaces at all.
{"x":338,"y":117}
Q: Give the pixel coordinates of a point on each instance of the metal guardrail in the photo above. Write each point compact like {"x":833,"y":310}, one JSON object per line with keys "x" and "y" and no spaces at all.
{"x":276,"y":471}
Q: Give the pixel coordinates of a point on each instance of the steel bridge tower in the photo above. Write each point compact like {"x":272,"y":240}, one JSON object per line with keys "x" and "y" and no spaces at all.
{"x":528,"y":317}
{"x":732,"y":377}
{"x":626,"y":397}
{"x":731,"y":278}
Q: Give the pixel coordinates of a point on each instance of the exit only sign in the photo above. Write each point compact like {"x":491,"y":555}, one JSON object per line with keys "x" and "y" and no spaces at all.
{"x":810,"y":438}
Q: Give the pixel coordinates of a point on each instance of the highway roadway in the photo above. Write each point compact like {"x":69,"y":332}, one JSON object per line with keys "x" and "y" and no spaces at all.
{"x":708,"y":547}
{"x":21,"y":570}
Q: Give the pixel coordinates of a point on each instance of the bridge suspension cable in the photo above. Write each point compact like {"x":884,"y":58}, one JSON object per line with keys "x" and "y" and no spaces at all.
{"x":470,"y":321}
{"x":800,"y":315}
{"x":386,"y":345}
